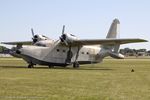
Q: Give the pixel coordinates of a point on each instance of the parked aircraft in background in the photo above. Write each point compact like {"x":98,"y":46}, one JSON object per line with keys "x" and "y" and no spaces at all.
{"x":70,"y":50}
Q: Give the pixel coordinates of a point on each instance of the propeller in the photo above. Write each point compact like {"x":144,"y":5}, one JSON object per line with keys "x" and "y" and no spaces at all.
{"x":34,"y":38}
{"x":32,"y":32}
{"x":63,"y":30}
{"x":63,"y":36}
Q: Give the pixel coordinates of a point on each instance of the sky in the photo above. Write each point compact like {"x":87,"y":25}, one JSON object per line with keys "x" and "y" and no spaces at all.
{"x":87,"y":19}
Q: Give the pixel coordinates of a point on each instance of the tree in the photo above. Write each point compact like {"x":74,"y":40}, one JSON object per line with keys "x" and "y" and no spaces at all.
{"x":3,"y":49}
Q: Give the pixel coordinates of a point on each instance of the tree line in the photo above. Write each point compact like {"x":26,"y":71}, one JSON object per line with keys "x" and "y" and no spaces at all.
{"x":135,"y":52}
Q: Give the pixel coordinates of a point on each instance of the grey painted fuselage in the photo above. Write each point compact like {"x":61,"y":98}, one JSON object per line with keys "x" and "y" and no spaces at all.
{"x":58,"y":55}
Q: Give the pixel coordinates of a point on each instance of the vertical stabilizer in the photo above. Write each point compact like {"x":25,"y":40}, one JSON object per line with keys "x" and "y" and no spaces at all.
{"x":114,"y":29}
{"x":112,"y":50}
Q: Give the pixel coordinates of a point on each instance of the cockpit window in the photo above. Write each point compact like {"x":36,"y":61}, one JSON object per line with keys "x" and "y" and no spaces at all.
{"x":44,"y":36}
{"x":72,"y":35}
{"x":42,"y":45}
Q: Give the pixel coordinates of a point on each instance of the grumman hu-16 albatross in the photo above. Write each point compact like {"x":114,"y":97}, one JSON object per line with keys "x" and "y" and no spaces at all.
{"x":68,"y":49}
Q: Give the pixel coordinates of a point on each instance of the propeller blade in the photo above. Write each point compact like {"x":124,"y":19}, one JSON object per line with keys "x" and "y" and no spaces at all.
{"x":32,"y":32}
{"x":63,"y":30}
{"x":66,"y":43}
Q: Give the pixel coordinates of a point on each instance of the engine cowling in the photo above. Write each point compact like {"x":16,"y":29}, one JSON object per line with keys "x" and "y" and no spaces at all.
{"x":37,"y":38}
{"x":68,"y":38}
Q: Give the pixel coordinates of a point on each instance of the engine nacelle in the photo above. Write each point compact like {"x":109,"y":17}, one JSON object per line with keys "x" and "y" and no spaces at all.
{"x":45,"y":43}
{"x":117,"y":55}
{"x":38,"y":38}
{"x":68,"y":38}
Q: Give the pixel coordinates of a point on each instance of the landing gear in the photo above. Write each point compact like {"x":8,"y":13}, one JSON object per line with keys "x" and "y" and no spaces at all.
{"x":30,"y":66}
{"x":76,"y":65}
{"x":51,"y":66}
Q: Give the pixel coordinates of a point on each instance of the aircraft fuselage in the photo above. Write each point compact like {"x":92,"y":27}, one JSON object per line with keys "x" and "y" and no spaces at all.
{"x":60,"y":55}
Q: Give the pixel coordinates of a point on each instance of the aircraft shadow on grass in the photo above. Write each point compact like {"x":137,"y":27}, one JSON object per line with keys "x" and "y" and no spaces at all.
{"x":11,"y":66}
{"x":56,"y":68}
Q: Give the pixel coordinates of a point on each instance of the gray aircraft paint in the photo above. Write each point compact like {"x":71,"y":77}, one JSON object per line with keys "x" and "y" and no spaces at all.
{"x":46,"y":51}
{"x":52,"y":55}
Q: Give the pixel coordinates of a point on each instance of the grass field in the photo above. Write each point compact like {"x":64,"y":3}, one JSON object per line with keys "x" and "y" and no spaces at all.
{"x":110,"y":80}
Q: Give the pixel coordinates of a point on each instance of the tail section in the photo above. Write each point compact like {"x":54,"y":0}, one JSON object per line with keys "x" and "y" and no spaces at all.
{"x":112,"y":50}
{"x":114,"y":29}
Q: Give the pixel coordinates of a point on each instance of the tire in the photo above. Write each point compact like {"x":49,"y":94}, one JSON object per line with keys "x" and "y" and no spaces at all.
{"x":51,"y":66}
{"x":76,"y":65}
{"x":30,"y":66}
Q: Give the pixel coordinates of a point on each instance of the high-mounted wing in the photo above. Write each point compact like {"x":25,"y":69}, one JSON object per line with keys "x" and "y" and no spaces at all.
{"x":107,"y":41}
{"x":18,"y":43}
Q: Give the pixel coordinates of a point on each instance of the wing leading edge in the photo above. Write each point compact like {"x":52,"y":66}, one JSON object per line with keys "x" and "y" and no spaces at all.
{"x":82,"y":42}
{"x":108,"y":41}
{"x":18,"y":43}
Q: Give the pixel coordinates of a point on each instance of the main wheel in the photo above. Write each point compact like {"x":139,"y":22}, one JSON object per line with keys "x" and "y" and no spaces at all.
{"x":76,"y":65}
{"x":30,"y":66}
{"x":51,"y":66}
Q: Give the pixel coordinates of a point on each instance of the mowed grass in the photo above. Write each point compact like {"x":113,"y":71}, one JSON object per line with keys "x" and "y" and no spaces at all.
{"x":110,"y":80}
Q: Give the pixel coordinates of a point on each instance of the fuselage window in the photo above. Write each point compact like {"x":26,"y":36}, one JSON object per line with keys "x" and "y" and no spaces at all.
{"x":57,"y":50}
{"x":87,"y":53}
{"x":82,"y":52}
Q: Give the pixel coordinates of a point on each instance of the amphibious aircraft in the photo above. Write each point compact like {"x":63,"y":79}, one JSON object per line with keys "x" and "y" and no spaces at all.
{"x":70,"y":50}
